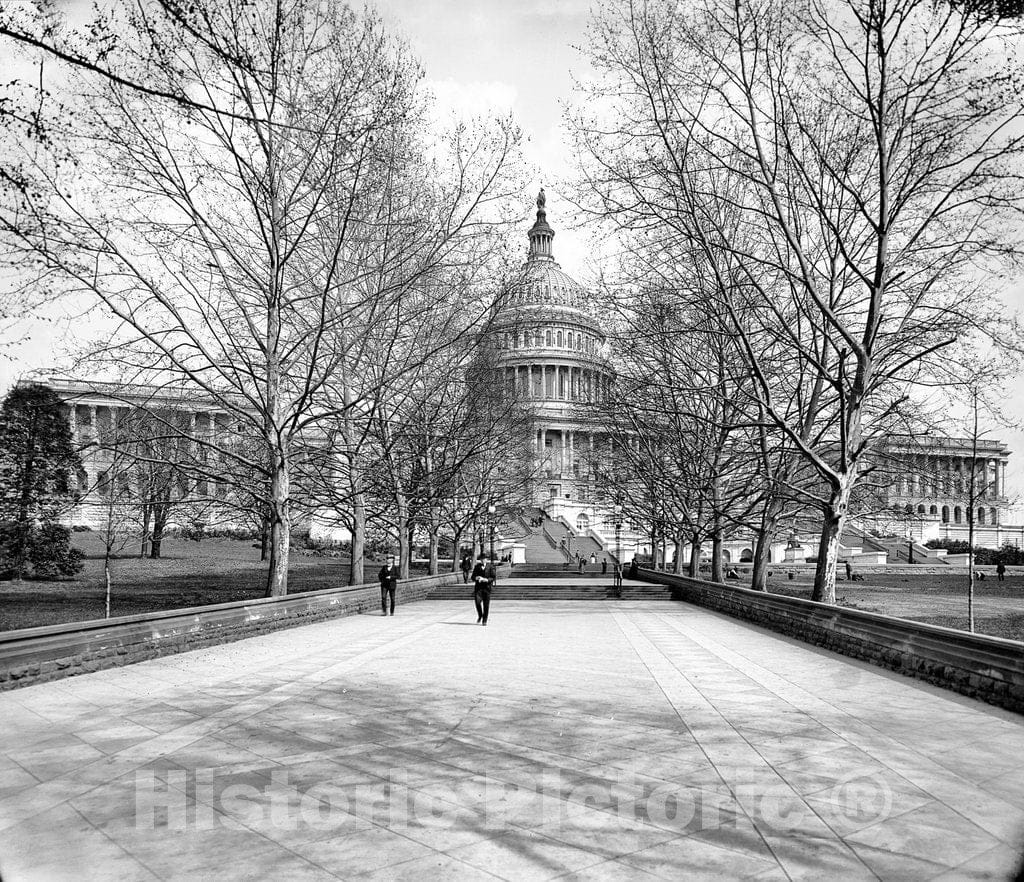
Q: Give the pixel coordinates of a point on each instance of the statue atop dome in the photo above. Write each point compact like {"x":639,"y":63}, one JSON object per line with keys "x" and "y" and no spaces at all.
{"x":541,"y":234}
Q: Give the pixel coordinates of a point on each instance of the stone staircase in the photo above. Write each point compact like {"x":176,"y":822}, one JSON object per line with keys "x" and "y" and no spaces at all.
{"x":551,"y":587}
{"x":540,"y":549}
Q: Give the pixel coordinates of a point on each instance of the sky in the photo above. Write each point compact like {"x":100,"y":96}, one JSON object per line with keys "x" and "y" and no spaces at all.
{"x":493,"y":56}
{"x":485,"y":57}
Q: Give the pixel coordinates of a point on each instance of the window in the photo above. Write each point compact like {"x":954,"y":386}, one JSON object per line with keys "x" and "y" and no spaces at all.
{"x":547,"y":338}
{"x":933,"y":510}
{"x":981,"y":515}
{"x":957,"y":515}
{"x":559,"y":338}
{"x":992,"y":516}
{"x":582,"y":523}
{"x":570,"y":339}
{"x":945,"y":514}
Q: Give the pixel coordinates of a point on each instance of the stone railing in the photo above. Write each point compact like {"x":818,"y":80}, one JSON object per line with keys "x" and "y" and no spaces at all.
{"x":31,"y":655}
{"x":988,"y":668}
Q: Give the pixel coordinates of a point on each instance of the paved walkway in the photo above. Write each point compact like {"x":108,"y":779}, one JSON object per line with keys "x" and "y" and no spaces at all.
{"x":577,"y":740}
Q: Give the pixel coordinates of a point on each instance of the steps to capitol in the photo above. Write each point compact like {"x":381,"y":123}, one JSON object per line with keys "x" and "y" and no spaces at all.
{"x":552,"y":587}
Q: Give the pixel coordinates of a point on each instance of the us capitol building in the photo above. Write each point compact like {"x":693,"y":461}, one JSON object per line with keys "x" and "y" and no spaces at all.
{"x":554,"y":356}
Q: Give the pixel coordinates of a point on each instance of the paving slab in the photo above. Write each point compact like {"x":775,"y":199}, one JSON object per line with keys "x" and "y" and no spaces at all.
{"x":573,"y":740}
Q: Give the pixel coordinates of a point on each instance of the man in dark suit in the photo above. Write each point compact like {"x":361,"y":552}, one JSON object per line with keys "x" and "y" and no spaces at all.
{"x":483,"y":582}
{"x":388,"y":576}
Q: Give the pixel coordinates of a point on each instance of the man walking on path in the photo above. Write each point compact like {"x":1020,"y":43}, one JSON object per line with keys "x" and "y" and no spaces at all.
{"x":1001,"y":570}
{"x":388,"y":576}
{"x":483,"y":582}
{"x":604,"y":566}
{"x":617,"y":578}
{"x":466,"y":567}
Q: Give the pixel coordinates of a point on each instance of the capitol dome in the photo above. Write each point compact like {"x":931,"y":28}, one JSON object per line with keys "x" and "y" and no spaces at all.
{"x":552,"y":354}
{"x":545,"y":282}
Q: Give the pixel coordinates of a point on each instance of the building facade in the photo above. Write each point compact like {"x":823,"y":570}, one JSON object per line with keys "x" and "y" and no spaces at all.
{"x":96,"y":411}
{"x":932,"y":478}
{"x":554,"y":356}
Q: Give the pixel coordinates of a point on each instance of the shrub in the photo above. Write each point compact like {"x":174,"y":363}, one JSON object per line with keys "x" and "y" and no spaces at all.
{"x":194,"y":531}
{"x":247,"y":534}
{"x":51,"y":554}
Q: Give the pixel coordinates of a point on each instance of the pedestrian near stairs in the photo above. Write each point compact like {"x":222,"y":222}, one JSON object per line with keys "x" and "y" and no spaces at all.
{"x":388,"y":576}
{"x":484,"y":578}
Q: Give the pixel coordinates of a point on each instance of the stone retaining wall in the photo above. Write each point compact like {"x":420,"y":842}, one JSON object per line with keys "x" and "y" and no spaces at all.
{"x":988,"y":668}
{"x":31,"y":655}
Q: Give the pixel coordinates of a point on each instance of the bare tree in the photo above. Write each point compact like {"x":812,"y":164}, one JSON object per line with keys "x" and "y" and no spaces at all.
{"x":240,"y":181}
{"x":851,"y":171}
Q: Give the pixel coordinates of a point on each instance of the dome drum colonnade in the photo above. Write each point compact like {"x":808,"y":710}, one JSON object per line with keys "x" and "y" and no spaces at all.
{"x":552,"y":354}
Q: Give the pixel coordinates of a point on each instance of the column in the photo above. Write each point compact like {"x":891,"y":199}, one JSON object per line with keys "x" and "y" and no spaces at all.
{"x":73,"y":421}
{"x":572,"y":452}
{"x":93,"y":412}
{"x":590,"y":453}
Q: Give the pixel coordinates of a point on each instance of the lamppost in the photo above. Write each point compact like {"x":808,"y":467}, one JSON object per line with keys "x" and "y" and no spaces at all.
{"x":618,"y":533}
{"x":490,"y":520}
{"x":910,"y":544}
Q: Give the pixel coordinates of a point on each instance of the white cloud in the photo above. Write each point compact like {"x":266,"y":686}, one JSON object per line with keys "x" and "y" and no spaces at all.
{"x":468,"y":100}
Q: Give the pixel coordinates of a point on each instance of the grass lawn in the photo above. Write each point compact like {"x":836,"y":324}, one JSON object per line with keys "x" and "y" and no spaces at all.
{"x":936,"y":599}
{"x":188,"y":574}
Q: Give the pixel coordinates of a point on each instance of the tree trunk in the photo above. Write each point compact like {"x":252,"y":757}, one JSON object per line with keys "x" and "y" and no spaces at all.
{"x":762,"y":560}
{"x":403,"y":536}
{"x":456,"y":556}
{"x":432,"y":564}
{"x":357,"y":565}
{"x":680,"y":545}
{"x":828,"y":559}
{"x":695,"y":543}
{"x":717,"y":572}
{"x":160,"y":512}
{"x":24,"y":528}
{"x":763,"y":544}
{"x":147,"y":515}
{"x":106,"y":578}
{"x":280,"y":528}
{"x":828,"y":547}
{"x":264,"y":538}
